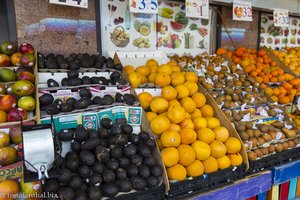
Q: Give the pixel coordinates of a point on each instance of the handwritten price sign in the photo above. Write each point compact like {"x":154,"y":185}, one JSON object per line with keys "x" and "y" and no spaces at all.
{"x":11,"y":171}
{"x":197,"y":8}
{"x":74,"y":3}
{"x":281,"y":17}
{"x":143,"y":6}
{"x":242,"y":10}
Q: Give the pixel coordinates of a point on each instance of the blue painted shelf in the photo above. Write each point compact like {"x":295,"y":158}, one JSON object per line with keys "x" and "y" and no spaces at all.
{"x":285,"y":172}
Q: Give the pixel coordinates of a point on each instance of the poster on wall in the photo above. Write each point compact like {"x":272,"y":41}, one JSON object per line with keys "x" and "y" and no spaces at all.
{"x":197,"y":8}
{"x":242,"y":10}
{"x":281,"y":17}
{"x":143,"y":6}
{"x":178,"y":33}
{"x":125,"y":31}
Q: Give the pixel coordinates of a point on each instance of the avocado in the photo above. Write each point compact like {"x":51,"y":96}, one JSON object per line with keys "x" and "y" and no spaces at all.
{"x":51,"y":64}
{"x":110,"y":189}
{"x":134,"y":138}
{"x":80,"y":195}
{"x":101,"y":59}
{"x":137,"y":160}
{"x":59,"y":57}
{"x":132,"y":170}
{"x":112,"y":164}
{"x":82,"y":103}
{"x":86,"y":80}
{"x":118,"y":67}
{"x":108,"y":176}
{"x":74,"y":82}
{"x":53,"y":109}
{"x":110,"y":63}
{"x":115,"y":129}
{"x":127,"y":129}
{"x":72,"y":161}
{"x":86,"y":157}
{"x":129,"y":150}
{"x":138,"y":183}
{"x":94,"y":180}
{"x":116,"y":152}
{"x":144,"y":171}
{"x":103,"y":133}
{"x":100,"y":80}
{"x":75,"y":182}
{"x":143,"y":150}
{"x":124,"y":185}
{"x":52,"y":83}
{"x":74,"y":65}
{"x":121,"y":139}
{"x":97,"y":167}
{"x":92,"y":60}
{"x":46,"y":99}
{"x":58,"y":102}
{"x":124,"y":162}
{"x":41,"y":60}
{"x":150,"y":143}
{"x":73,"y":56}
{"x":72,"y":74}
{"x":90,"y":144}
{"x":64,"y":82}
{"x":119,"y":81}
{"x":66,"y":107}
{"x":107,"y":100}
{"x":84,"y":186}
{"x":59,"y":161}
{"x":152,"y":181}
{"x":156,"y":170}
{"x":80,"y":133}
{"x":84,"y":92}
{"x":105,"y":123}
{"x":64,"y":175}
{"x":149,"y":161}
{"x":144,"y":136}
{"x":76,"y":146}
{"x":65,"y":135}
{"x":83,"y":171}
{"x":104,"y":143}
{"x":94,"y":193}
{"x":51,"y":185}
{"x":129,"y":99}
{"x":121,"y":173}
{"x":50,"y":56}
{"x":119,"y":98}
{"x":71,"y":100}
{"x":102,"y":153}
{"x":99,"y":65}
{"x":63,"y":65}
{"x":93,"y":133}
{"x":97,"y":100}
{"x":66,"y":192}
{"x":79,"y":56}
{"x":115,"y":75}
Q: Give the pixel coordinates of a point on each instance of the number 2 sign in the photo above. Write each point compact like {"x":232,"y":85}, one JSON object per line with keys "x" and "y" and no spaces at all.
{"x":143,"y":6}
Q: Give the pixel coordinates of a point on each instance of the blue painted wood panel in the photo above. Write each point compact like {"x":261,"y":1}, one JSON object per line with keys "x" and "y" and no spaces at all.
{"x":293,"y":188}
{"x":286,"y":172}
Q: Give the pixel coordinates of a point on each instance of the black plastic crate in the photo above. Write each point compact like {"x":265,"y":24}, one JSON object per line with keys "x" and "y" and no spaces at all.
{"x":188,"y":188}
{"x":268,"y":162}
{"x":153,"y":193}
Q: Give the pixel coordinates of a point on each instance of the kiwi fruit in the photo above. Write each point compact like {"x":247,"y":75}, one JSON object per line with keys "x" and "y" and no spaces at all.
{"x":291,"y":143}
{"x":249,"y":125}
{"x":254,"y":142}
{"x":271,"y":148}
{"x":244,"y":135}
{"x":278,"y":124}
{"x":263,"y":128}
{"x":267,"y":137}
{"x":285,"y":145}
{"x":289,"y":133}
{"x":265,"y":150}
{"x":250,"y":132}
{"x":278,"y":147}
{"x":257,"y":133}
{"x":260,"y":141}
{"x":258,"y":152}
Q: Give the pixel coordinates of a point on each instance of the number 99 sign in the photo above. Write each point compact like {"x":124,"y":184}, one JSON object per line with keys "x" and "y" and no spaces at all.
{"x":143,"y":6}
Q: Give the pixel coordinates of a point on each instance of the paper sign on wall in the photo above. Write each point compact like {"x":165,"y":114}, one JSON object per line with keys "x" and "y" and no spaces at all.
{"x":242,"y":10}
{"x":281,"y":17}
{"x":197,"y":8}
{"x":75,"y":3}
{"x":143,"y":6}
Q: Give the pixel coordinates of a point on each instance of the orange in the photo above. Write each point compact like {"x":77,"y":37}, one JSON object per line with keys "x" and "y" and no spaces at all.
{"x":222,"y":133}
{"x":284,"y":100}
{"x":187,"y":123}
{"x":192,"y":86}
{"x":207,"y":111}
{"x":199,"y":123}
{"x":221,"y":51}
{"x":145,"y":99}
{"x":218,"y":149}
{"x":128,"y":69}
{"x":177,"y":78}
{"x":210,"y":165}
{"x":188,"y":104}
{"x":159,"y":124}
{"x":159,"y":144}
{"x":212,"y":122}
{"x":233,"y":145}
{"x":165,"y":68}
{"x":196,"y":113}
{"x":235,"y":159}
{"x":3,"y":117}
{"x":144,"y":79}
{"x":201,"y":149}
{"x":188,"y":116}
{"x":268,"y":91}
{"x":191,"y":76}
{"x":169,"y":93}
{"x":176,"y":68}
{"x":174,"y":127}
{"x":174,"y":102}
{"x":151,"y":77}
{"x":135,"y":79}
{"x":206,"y":135}
{"x":152,"y":65}
{"x":8,"y":189}
{"x":170,"y":156}
{"x":150,"y":116}
{"x":223,"y":162}
{"x":287,"y":86}
{"x":162,"y":79}
{"x":182,"y":91}
{"x":186,"y":154}
{"x":188,"y":136}
{"x":176,"y":172}
{"x":176,"y":114}
{"x":143,"y":70}
{"x":195,"y":169}
{"x":170,"y":138}
{"x":159,"y":105}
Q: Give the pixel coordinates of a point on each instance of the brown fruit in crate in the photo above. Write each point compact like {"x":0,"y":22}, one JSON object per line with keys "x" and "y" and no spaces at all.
{"x":249,"y":125}
{"x":283,"y":136}
{"x":238,"y":83}
{"x":228,"y":91}
{"x":289,"y":133}
{"x":272,"y":134}
{"x":248,"y":96}
{"x":265,"y":150}
{"x":201,"y":79}
{"x":297,"y":140}
{"x":228,"y":98}
{"x":260,"y":141}
{"x":285,"y":145}
{"x":291,"y":143}
{"x":279,"y":147}
{"x":231,"y":119}
{"x":240,"y":127}
{"x":238,"y":91}
{"x":219,"y":100}
{"x":246,"y":145}
{"x":227,"y":104}
{"x":250,"y":132}
{"x":246,"y":84}
{"x":207,"y":86}
{"x":263,"y":128}
{"x":218,"y":85}
{"x":244,"y":135}
{"x":236,"y":116}
{"x":257,"y":133}
{"x":277,"y":124}
{"x":235,"y":97}
{"x":267,"y":137}
{"x":271,"y":148}
{"x":252,"y":155}
{"x":258,"y":152}
{"x":273,"y":114}
{"x":254,"y":142}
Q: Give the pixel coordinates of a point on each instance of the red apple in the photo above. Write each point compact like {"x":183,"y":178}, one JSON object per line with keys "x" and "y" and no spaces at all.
{"x":7,"y":102}
{"x":15,"y":114}
{"x":26,"y":48}
{"x":4,"y":60}
{"x":26,"y":76}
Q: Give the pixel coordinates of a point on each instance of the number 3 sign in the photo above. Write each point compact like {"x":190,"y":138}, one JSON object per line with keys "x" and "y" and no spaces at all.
{"x":143,"y":6}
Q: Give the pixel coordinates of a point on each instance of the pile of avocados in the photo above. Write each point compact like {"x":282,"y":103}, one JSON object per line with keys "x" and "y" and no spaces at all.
{"x":105,"y":162}
{"x":54,"y":107}
{"x":76,"y":61}
{"x":74,"y":80}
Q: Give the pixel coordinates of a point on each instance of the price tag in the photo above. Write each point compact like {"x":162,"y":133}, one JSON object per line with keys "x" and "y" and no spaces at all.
{"x":281,"y":17}
{"x":242,"y":10}
{"x":74,"y":3}
{"x":12,"y":171}
{"x":197,"y":8}
{"x":143,"y":6}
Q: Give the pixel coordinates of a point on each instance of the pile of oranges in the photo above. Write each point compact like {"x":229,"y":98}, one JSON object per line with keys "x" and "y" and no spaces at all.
{"x":290,"y":57}
{"x":192,"y":141}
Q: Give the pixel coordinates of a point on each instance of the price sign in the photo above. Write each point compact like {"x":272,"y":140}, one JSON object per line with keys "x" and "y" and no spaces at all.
{"x":281,"y":17}
{"x":13,"y":171}
{"x":75,"y":3}
{"x":197,"y":8}
{"x":242,"y":10}
{"x":143,"y":6}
